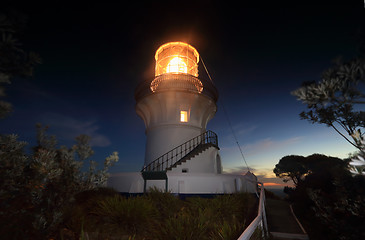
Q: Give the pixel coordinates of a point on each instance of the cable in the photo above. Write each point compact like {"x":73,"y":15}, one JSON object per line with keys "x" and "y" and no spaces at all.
{"x":229,"y":122}
{"x":234,"y":135}
{"x":206,"y":70}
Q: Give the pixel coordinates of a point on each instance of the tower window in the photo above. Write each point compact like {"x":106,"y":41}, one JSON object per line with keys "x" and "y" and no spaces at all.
{"x":183,"y":116}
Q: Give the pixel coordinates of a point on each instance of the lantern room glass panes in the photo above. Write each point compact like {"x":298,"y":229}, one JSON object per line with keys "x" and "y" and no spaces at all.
{"x":177,"y":57}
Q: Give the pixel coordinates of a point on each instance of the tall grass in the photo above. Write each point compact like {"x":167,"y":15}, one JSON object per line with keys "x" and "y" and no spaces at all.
{"x":126,"y":215}
{"x":159,"y":215}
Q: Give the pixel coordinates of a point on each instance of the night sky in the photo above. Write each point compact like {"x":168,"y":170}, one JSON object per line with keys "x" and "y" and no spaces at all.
{"x":95,"y":54}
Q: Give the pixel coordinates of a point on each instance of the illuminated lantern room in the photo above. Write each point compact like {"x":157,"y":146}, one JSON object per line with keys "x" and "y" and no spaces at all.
{"x":177,"y":57}
{"x":176,"y":68}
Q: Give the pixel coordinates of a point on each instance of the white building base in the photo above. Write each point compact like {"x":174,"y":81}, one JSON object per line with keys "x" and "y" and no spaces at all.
{"x":186,"y":183}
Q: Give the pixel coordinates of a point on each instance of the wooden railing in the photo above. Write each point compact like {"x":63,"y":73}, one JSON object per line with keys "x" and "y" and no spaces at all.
{"x":259,"y":221}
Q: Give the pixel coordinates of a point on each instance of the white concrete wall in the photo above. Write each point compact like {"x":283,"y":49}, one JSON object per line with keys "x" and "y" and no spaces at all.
{"x":188,"y":183}
{"x":205,"y":162}
{"x":160,"y":112}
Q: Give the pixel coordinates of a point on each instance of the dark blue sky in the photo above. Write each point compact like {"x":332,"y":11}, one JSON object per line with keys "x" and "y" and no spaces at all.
{"x":95,"y":54}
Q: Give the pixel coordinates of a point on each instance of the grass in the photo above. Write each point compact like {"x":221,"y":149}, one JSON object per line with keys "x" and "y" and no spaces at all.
{"x":104,"y":214}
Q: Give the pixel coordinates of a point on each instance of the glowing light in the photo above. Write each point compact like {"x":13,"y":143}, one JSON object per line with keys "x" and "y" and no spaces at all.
{"x":176,"y":68}
{"x":176,"y":65}
{"x":176,"y":57}
{"x":183,"y":116}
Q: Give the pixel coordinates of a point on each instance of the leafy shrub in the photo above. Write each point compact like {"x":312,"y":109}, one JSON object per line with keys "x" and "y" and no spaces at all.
{"x":37,"y":188}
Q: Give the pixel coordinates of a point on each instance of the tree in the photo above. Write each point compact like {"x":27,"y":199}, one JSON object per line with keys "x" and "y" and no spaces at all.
{"x":291,"y":168}
{"x":14,"y":61}
{"x":36,"y":188}
{"x":329,"y":199}
{"x":333,"y":101}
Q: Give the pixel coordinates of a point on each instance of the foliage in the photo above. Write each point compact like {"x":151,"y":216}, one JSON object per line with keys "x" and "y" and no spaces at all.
{"x":357,"y":163}
{"x":37,"y":188}
{"x":14,"y":61}
{"x":110,"y":216}
{"x":329,"y":201}
{"x":342,"y":210}
{"x":126,"y":215}
{"x":330,"y":192}
{"x":185,"y":225}
{"x":291,"y":168}
{"x":333,"y":101}
{"x":165,"y":203}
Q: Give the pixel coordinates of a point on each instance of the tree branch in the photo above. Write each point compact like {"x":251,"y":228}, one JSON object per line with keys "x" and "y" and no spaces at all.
{"x":345,"y":137}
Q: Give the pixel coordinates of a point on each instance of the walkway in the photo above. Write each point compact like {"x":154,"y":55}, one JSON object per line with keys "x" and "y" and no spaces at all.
{"x":281,"y":222}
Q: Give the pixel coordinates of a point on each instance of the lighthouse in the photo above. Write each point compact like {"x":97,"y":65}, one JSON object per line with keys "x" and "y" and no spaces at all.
{"x":176,"y":106}
{"x":181,"y":154}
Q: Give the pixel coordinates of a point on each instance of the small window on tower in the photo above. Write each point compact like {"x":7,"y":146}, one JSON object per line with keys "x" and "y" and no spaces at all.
{"x":183,"y":116}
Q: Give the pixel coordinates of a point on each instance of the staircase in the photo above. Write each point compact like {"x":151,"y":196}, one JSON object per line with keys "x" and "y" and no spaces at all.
{"x":157,"y":169}
{"x":196,"y":151}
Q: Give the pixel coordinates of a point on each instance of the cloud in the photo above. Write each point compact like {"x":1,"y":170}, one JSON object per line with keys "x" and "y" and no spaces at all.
{"x":263,"y":145}
{"x":245,"y":131}
{"x":240,"y":130}
{"x":238,"y":170}
{"x":67,"y":128}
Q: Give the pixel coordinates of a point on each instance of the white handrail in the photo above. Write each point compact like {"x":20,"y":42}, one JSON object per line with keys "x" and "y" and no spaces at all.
{"x":259,"y":221}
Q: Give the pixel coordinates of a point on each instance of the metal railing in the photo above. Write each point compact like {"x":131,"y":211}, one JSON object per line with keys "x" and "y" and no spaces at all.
{"x":259,"y":221}
{"x":176,"y":82}
{"x":176,"y":154}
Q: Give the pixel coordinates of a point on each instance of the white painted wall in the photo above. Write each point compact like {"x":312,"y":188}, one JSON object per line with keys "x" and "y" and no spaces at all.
{"x":188,"y":183}
{"x":205,"y":162}
{"x":160,"y":112}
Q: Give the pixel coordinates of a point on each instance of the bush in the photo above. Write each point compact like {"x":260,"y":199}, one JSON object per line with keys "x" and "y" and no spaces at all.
{"x":38,"y":188}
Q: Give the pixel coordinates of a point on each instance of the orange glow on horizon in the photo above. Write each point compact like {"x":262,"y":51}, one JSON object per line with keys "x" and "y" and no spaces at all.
{"x":271,"y":184}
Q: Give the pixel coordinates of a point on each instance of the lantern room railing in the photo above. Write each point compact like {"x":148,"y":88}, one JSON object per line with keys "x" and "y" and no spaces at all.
{"x":176,"y":82}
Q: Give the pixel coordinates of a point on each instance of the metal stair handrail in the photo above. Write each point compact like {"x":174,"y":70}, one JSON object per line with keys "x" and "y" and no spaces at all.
{"x":171,"y":157}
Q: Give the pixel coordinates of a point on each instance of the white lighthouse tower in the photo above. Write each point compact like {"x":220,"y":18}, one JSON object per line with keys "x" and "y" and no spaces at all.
{"x":181,"y":156}
{"x":176,"y":107}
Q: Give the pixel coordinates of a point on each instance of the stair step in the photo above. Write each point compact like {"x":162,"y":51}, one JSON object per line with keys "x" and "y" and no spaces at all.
{"x":199,"y":144}
{"x":198,"y":150}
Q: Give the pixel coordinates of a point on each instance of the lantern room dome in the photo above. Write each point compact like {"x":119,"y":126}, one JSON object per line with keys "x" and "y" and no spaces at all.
{"x":177,"y":58}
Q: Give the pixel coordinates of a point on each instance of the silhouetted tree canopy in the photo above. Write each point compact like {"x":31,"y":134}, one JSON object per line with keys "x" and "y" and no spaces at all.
{"x":14,"y":61}
{"x":291,"y":168}
{"x":328,"y":199}
{"x":332,"y":100}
